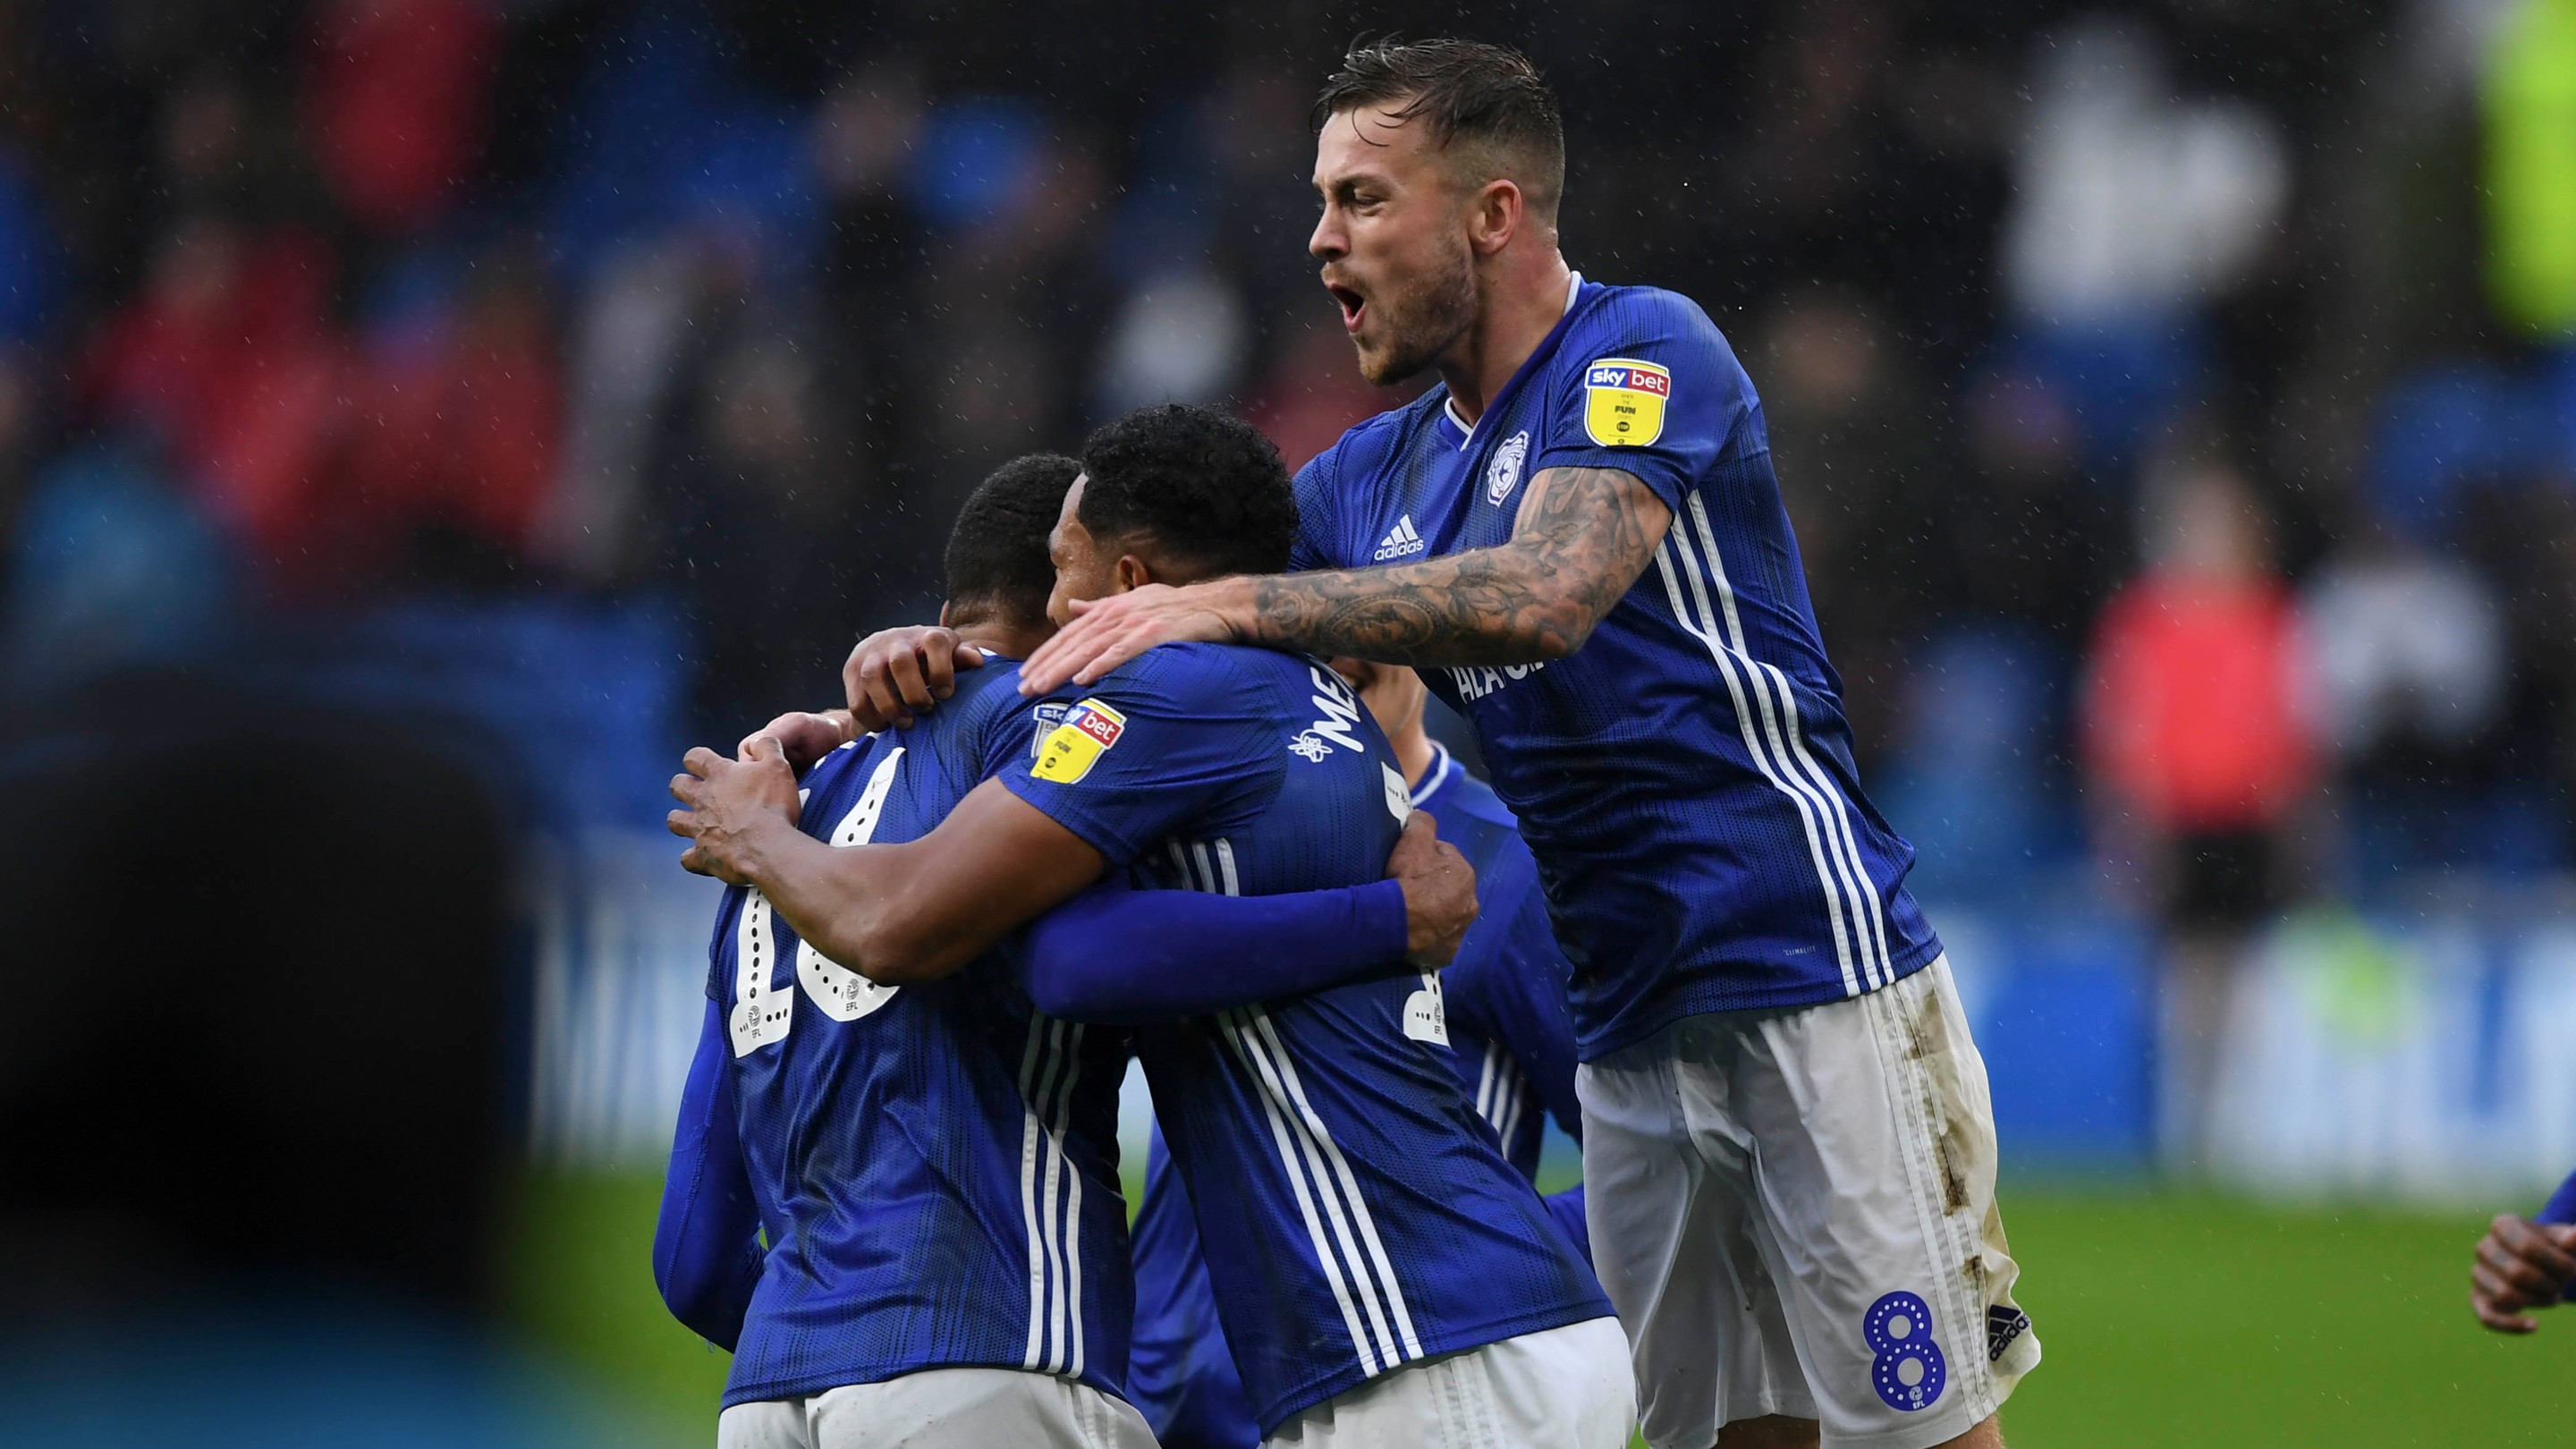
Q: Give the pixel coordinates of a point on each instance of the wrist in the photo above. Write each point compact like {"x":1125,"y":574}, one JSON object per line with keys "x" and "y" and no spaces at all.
{"x":1385,"y":919}
{"x":754,"y":849}
{"x":1236,"y":602}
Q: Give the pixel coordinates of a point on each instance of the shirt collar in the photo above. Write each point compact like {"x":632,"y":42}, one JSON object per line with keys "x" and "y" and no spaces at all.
{"x":1436,"y":776}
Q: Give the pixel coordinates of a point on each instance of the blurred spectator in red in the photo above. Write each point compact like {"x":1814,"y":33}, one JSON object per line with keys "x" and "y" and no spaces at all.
{"x":456,"y":415}
{"x":228,"y":357}
{"x":1315,"y":395}
{"x":2199,"y":750}
{"x":396,"y":102}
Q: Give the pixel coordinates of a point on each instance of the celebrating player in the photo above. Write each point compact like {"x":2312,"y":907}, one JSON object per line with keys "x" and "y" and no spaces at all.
{"x":1386,"y":1271}
{"x":1511,"y":1043}
{"x":935,"y":1164}
{"x":1787,"y":1139}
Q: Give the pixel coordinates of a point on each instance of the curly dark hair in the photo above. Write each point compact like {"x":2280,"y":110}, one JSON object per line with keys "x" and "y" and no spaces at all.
{"x":997,"y":553}
{"x":1488,"y":100}
{"x":1204,"y":485}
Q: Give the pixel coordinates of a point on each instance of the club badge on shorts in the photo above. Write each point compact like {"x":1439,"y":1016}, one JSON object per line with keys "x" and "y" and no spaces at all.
{"x":1624,"y":401}
{"x":1089,"y":729}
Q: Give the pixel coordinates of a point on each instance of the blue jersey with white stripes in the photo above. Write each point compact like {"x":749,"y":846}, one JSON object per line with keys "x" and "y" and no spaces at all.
{"x":1685,"y":779}
{"x":1510,"y":1030}
{"x":1512,"y":1047}
{"x":936,"y":1166}
{"x":1365,"y":1215}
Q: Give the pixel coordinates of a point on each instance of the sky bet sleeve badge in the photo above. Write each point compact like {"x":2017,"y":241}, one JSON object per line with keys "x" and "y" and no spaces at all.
{"x":1089,"y":729}
{"x":1624,"y":401}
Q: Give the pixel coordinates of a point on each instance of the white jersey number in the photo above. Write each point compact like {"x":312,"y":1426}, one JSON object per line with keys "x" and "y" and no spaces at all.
{"x":763,"y":1014}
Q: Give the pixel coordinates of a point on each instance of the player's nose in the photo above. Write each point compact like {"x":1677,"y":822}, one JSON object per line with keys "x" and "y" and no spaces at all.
{"x":1327,"y":241}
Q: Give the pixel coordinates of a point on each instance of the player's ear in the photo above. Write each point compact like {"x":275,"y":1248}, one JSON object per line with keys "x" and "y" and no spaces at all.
{"x":1130,"y":572}
{"x":1499,"y":213}
{"x":943,"y":613}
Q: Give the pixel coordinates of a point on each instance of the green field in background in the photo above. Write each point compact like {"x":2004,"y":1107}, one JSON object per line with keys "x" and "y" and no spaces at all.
{"x":2168,"y":1319}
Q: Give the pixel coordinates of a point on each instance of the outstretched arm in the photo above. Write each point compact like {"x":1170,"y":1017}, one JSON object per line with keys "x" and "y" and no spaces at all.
{"x":1582,"y":537}
{"x":1127,"y":957}
{"x":896,"y":914}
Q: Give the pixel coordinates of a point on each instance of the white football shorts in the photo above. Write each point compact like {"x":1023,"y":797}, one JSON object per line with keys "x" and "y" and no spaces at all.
{"x":942,"y":1408}
{"x":1560,"y":1388}
{"x":1794,"y":1212}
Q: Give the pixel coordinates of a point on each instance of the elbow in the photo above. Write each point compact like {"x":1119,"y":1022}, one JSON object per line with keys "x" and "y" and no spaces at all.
{"x":707,"y":1319}
{"x":1059,"y":993}
{"x":898,"y":964}
{"x":1560,"y":628}
{"x":689,"y":1295}
{"x":1050,"y":998}
{"x":1550,"y":645}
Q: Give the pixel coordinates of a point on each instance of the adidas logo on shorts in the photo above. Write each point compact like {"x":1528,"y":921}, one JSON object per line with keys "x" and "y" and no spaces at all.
{"x":2003,"y":1325}
{"x":1399,"y":541}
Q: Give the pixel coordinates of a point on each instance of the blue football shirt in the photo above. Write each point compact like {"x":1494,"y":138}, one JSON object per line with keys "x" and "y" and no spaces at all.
{"x":1685,"y":779}
{"x":936,"y":1166}
{"x":1367,"y":1217}
{"x":1510,"y":1030}
{"x":1512,"y":1049}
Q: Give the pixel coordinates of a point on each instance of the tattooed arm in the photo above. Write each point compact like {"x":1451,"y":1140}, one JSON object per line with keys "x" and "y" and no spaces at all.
{"x":1582,"y":537}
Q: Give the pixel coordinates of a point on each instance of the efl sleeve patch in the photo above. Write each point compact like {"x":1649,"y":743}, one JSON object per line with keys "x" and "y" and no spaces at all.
{"x":1068,"y":753}
{"x":1624,"y":401}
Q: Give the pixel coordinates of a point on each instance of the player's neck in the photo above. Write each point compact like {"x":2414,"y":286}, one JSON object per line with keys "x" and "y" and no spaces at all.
{"x":1003,"y":639}
{"x":1415,"y":752}
{"x":1523,"y":301}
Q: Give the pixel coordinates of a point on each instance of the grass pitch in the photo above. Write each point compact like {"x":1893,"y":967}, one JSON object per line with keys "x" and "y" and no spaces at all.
{"x":2168,"y":1318}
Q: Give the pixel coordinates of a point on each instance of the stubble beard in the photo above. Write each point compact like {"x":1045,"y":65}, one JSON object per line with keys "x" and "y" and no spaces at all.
{"x":1424,"y":326}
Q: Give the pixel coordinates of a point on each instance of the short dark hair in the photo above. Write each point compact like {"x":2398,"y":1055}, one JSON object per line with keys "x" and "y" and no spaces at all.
{"x":1489,"y":97}
{"x":997,"y":553}
{"x":1205,"y":485}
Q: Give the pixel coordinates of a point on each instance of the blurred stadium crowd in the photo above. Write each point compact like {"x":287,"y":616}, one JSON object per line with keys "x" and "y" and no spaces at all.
{"x":2176,"y":401}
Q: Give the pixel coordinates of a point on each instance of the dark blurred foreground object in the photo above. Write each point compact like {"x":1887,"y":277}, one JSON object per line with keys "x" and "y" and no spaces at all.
{"x":253,"y":1093}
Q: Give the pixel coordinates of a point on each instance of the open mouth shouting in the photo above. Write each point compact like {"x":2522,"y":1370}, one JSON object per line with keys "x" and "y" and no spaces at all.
{"x":1354,"y":305}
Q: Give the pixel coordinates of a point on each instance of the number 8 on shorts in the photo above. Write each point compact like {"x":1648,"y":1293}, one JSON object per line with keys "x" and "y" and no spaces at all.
{"x":1909,"y":1370}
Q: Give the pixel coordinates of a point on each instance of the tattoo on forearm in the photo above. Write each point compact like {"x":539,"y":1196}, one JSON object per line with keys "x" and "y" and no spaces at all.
{"x":1583,"y":536}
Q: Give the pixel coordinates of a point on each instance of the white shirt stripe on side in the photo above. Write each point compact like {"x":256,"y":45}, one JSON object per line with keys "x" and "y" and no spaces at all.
{"x":1825,"y":786}
{"x":1049,"y":1183}
{"x":1227,"y":1022}
{"x":1700,"y":625}
{"x":1069,"y":1232}
{"x":1855,"y":882}
{"x":1030,"y":1131}
{"x":1260,"y":1020}
{"x":1265,"y":1071}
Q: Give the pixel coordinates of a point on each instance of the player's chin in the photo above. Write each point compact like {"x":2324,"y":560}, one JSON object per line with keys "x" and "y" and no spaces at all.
{"x":1380,"y":365}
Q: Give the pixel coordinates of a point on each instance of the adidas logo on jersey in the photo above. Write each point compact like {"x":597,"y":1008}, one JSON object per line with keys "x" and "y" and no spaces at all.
{"x":1399,"y":541}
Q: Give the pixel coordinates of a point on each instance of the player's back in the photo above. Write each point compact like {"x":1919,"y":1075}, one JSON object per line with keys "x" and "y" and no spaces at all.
{"x":936,"y":1165}
{"x":1512,"y":1049}
{"x":1362,"y":1215}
